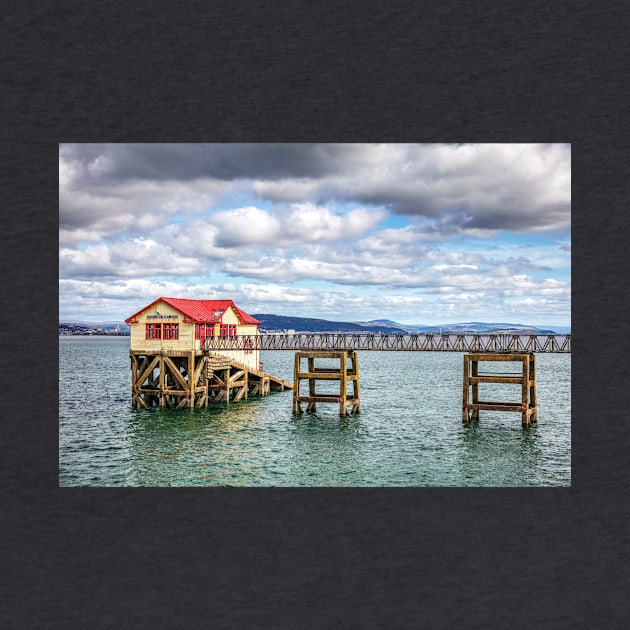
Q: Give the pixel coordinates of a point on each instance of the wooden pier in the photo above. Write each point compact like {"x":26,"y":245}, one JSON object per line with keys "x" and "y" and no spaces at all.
{"x":180,"y":379}
{"x":411,"y":342}
{"x":526,"y":378}
{"x":341,"y":374}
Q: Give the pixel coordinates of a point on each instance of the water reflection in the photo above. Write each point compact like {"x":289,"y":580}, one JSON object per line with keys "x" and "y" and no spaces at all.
{"x":497,"y":451}
{"x":326,"y":449}
{"x":196,"y":447}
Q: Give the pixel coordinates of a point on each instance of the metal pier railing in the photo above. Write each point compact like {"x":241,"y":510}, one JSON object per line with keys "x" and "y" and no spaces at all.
{"x":418,"y":342}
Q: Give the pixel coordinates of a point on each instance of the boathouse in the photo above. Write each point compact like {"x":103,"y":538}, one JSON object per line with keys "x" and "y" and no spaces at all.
{"x":180,"y":324}
{"x":173,"y":367}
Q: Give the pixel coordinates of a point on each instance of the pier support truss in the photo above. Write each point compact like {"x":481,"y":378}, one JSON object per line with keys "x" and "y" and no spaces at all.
{"x":179,"y":379}
{"x":526,"y":379}
{"x":343,"y":374}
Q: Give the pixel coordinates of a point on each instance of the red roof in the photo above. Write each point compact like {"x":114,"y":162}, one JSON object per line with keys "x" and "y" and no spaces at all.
{"x":201,"y":311}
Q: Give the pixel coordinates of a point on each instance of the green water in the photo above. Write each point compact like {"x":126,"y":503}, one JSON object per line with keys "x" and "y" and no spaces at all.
{"x":409,"y":432}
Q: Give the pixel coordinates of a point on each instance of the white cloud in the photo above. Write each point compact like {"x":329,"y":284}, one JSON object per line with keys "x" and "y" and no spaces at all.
{"x":136,"y":257}
{"x":246,"y":226}
{"x":308,"y":222}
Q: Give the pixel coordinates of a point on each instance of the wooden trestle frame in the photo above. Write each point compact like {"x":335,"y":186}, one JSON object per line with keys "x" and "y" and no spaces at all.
{"x":313,"y":374}
{"x":527,"y":380}
{"x":180,"y":379}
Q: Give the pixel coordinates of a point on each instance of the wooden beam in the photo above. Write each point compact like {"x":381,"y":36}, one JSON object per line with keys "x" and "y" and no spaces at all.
{"x":176,"y":373}
{"x":198,"y":369}
{"x":148,"y":370}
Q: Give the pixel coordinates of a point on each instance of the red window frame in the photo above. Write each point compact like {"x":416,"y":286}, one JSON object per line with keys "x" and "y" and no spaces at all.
{"x":153,"y":331}
{"x":204,"y":331}
{"x":171,"y":331}
{"x":227,"y":330}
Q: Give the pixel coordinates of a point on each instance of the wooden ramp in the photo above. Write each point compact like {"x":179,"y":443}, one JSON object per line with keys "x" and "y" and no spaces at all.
{"x":229,"y":380}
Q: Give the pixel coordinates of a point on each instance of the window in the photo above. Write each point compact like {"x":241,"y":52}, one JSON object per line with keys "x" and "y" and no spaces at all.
{"x":227,"y":330}
{"x":154,"y":331}
{"x":203,"y":331}
{"x":171,"y":331}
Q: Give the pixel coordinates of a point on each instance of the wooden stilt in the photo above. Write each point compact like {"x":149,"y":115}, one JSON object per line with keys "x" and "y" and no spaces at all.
{"x":161,"y":377}
{"x":192,"y":385}
{"x":356,"y":407}
{"x":532,"y":388}
{"x":311,"y":386}
{"x":297,"y":408}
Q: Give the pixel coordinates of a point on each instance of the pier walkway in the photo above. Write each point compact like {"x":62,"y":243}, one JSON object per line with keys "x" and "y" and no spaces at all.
{"x":418,"y":342}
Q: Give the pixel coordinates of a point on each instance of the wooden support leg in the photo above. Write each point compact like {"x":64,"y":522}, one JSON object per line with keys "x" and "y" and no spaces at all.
{"x":227,"y":385}
{"x":311,"y":385}
{"x":162,"y":368}
{"x":297,"y":408}
{"x":356,"y":384}
{"x":475,"y":386}
{"x":191,"y":380}
{"x":465,"y":415}
{"x":532,"y":388}
{"x":343,"y":411}
{"x":525,"y":393}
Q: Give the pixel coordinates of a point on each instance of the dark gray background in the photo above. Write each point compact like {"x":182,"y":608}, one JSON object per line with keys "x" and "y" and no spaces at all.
{"x":314,"y":558}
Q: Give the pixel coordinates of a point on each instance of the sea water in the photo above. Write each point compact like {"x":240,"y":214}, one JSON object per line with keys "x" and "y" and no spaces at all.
{"x":409,"y":432}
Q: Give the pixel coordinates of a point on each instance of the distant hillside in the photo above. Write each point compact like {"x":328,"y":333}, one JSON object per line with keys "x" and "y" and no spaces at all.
{"x":281,"y":323}
{"x":470,"y":327}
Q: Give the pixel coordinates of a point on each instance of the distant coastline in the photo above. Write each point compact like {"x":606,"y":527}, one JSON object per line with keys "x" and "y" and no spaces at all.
{"x":283,"y":324}
{"x":67,"y":329}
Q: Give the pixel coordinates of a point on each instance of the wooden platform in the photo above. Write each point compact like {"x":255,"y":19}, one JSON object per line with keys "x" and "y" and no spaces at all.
{"x":191,"y":380}
{"x":526,"y":378}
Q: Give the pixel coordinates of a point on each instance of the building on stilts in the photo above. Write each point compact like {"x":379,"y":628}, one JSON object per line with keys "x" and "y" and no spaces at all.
{"x":172,"y":366}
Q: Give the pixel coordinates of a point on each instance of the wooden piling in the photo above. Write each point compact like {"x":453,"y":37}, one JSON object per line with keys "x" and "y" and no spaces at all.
{"x":313,"y":374}
{"x":526,"y":378}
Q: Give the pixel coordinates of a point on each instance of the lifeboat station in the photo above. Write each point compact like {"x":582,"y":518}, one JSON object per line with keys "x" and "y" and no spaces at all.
{"x":172,"y":366}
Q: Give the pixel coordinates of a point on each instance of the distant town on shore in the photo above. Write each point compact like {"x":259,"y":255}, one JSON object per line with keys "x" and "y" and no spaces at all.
{"x":283,"y":324}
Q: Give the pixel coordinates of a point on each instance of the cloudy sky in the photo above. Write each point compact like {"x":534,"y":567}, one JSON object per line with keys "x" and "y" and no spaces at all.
{"x":416,"y":233}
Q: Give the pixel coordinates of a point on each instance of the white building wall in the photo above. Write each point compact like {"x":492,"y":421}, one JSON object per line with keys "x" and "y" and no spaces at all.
{"x":161,"y":313}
